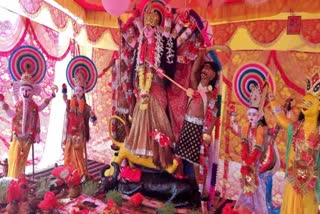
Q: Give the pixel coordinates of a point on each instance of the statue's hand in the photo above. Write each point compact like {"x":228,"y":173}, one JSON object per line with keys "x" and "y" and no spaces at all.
{"x":270,"y":96}
{"x":233,"y":116}
{"x":54,"y":89}
{"x":160,"y":72}
{"x":93,"y":118}
{"x":63,"y":145}
{"x":206,"y":138}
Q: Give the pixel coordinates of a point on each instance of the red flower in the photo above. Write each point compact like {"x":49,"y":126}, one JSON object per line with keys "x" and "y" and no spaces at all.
{"x":49,"y":202}
{"x":132,"y":175}
{"x":136,"y":199}
{"x":62,"y":172}
{"x":12,"y":190}
{"x":160,"y":137}
{"x":74,"y":179}
{"x":228,"y":209}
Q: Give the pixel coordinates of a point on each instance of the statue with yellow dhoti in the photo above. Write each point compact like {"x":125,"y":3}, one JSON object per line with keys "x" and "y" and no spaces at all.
{"x":302,"y":155}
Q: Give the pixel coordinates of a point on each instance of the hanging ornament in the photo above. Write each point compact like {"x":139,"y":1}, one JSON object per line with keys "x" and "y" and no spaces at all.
{"x":116,"y":8}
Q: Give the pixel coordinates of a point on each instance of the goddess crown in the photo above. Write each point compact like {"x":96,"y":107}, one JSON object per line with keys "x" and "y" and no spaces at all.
{"x":313,"y":83}
{"x":26,"y":79}
{"x":255,"y":96}
{"x":79,"y":78}
{"x":154,"y":13}
{"x":151,"y":17}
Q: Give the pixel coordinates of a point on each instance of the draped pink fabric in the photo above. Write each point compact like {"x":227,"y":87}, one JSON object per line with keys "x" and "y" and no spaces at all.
{"x":49,"y":41}
{"x":11,"y":33}
{"x":31,"y":6}
{"x":58,"y":17}
{"x":261,"y":31}
{"x":95,"y":32}
{"x":76,"y":28}
{"x":15,"y":32}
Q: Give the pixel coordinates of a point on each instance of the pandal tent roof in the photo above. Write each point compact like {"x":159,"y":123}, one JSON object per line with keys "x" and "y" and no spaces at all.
{"x":215,"y":11}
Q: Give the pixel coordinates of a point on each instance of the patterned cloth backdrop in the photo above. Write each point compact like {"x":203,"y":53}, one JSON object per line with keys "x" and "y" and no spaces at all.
{"x":99,"y":144}
{"x":289,"y":71}
{"x":14,"y":32}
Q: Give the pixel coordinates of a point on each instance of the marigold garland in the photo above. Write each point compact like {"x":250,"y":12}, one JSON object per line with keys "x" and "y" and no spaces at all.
{"x":145,"y":81}
{"x":74,"y":104}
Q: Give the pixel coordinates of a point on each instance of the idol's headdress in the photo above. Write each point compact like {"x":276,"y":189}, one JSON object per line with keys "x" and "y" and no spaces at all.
{"x":154,"y":13}
{"x":313,"y":83}
{"x":81,"y":71}
{"x":79,"y":78}
{"x":255,"y":97}
{"x":258,"y":98}
{"x":26,"y":80}
{"x":151,"y":17}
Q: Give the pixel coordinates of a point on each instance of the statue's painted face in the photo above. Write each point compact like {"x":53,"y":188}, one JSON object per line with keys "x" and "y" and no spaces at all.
{"x":310,"y":105}
{"x":131,"y":32}
{"x":149,"y":32}
{"x":79,"y":92}
{"x":26,"y":92}
{"x":253,"y":117}
{"x":207,"y":72}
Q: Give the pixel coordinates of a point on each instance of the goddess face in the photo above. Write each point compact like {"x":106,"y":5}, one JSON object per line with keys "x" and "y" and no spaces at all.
{"x":131,"y":32}
{"x":253,"y":116}
{"x":310,"y":105}
{"x":79,"y":92}
{"x":149,"y":32}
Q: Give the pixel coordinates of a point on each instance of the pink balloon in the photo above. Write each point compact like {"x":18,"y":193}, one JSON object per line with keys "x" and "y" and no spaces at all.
{"x":116,"y":8}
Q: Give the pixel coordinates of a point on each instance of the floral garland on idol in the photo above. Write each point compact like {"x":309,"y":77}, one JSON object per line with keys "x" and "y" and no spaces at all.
{"x":211,"y":115}
{"x":249,"y":177}
{"x":145,"y":77}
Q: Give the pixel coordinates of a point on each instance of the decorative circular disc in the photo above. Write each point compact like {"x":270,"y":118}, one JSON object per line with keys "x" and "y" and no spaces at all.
{"x":27,"y":59}
{"x":85,"y":64}
{"x":248,"y":75}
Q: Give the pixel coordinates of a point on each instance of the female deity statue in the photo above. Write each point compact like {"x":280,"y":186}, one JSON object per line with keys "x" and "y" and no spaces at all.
{"x":302,"y":154}
{"x":252,"y":135}
{"x":78,"y":114}
{"x":150,"y":110}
